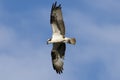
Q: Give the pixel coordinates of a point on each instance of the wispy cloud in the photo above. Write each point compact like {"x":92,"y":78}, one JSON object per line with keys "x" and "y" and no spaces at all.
{"x":97,"y":43}
{"x":25,"y":56}
{"x":20,"y":60}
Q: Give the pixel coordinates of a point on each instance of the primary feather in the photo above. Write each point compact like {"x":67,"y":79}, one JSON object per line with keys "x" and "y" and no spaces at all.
{"x":57,"y":19}
{"x":57,"y":53}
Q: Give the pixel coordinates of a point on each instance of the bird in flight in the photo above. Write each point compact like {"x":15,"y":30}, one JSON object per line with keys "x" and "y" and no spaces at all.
{"x":58,"y":38}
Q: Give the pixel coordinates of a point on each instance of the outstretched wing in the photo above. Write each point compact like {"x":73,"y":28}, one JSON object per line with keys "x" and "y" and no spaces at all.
{"x":56,"y":19}
{"x":57,"y":54}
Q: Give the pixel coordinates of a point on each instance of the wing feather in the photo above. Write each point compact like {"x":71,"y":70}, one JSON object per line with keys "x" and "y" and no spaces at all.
{"x":57,"y":54}
{"x":56,"y":19}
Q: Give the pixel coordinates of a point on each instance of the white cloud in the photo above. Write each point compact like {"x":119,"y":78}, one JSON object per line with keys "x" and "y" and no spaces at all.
{"x":21,"y":60}
{"x":6,"y":37}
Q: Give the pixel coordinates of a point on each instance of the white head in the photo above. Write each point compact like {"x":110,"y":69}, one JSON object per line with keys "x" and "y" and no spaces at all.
{"x":49,"y":41}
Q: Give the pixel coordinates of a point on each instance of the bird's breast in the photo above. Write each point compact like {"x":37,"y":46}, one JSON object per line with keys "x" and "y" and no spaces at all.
{"x":57,"y":38}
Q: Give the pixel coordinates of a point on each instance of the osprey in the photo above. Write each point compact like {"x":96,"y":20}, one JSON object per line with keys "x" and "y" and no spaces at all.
{"x":58,"y":38}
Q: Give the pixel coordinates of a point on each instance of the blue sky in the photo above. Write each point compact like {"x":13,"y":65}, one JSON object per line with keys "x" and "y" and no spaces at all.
{"x":25,"y":27}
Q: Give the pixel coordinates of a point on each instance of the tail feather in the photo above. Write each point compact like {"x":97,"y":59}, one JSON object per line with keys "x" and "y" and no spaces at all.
{"x":72,"y":41}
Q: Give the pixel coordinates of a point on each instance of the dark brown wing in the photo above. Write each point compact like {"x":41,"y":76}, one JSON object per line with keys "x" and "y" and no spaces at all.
{"x":57,"y":54}
{"x":56,"y":19}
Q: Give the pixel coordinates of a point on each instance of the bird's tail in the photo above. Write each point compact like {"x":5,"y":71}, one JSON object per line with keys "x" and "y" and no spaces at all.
{"x":72,"y":41}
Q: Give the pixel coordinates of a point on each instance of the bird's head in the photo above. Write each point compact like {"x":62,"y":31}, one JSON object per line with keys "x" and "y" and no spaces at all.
{"x":48,"y":41}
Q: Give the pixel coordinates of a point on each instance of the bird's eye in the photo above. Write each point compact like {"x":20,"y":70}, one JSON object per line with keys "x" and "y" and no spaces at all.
{"x":49,"y":39}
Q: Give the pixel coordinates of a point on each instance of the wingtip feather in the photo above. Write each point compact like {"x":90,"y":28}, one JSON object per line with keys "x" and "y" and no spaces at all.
{"x":54,"y":5}
{"x":57,"y":62}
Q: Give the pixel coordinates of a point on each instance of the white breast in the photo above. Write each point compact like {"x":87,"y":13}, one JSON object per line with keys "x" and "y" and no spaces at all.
{"x":56,"y":37}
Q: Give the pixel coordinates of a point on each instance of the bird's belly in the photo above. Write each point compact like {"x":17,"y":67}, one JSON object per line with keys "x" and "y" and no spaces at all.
{"x":57,"y":38}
